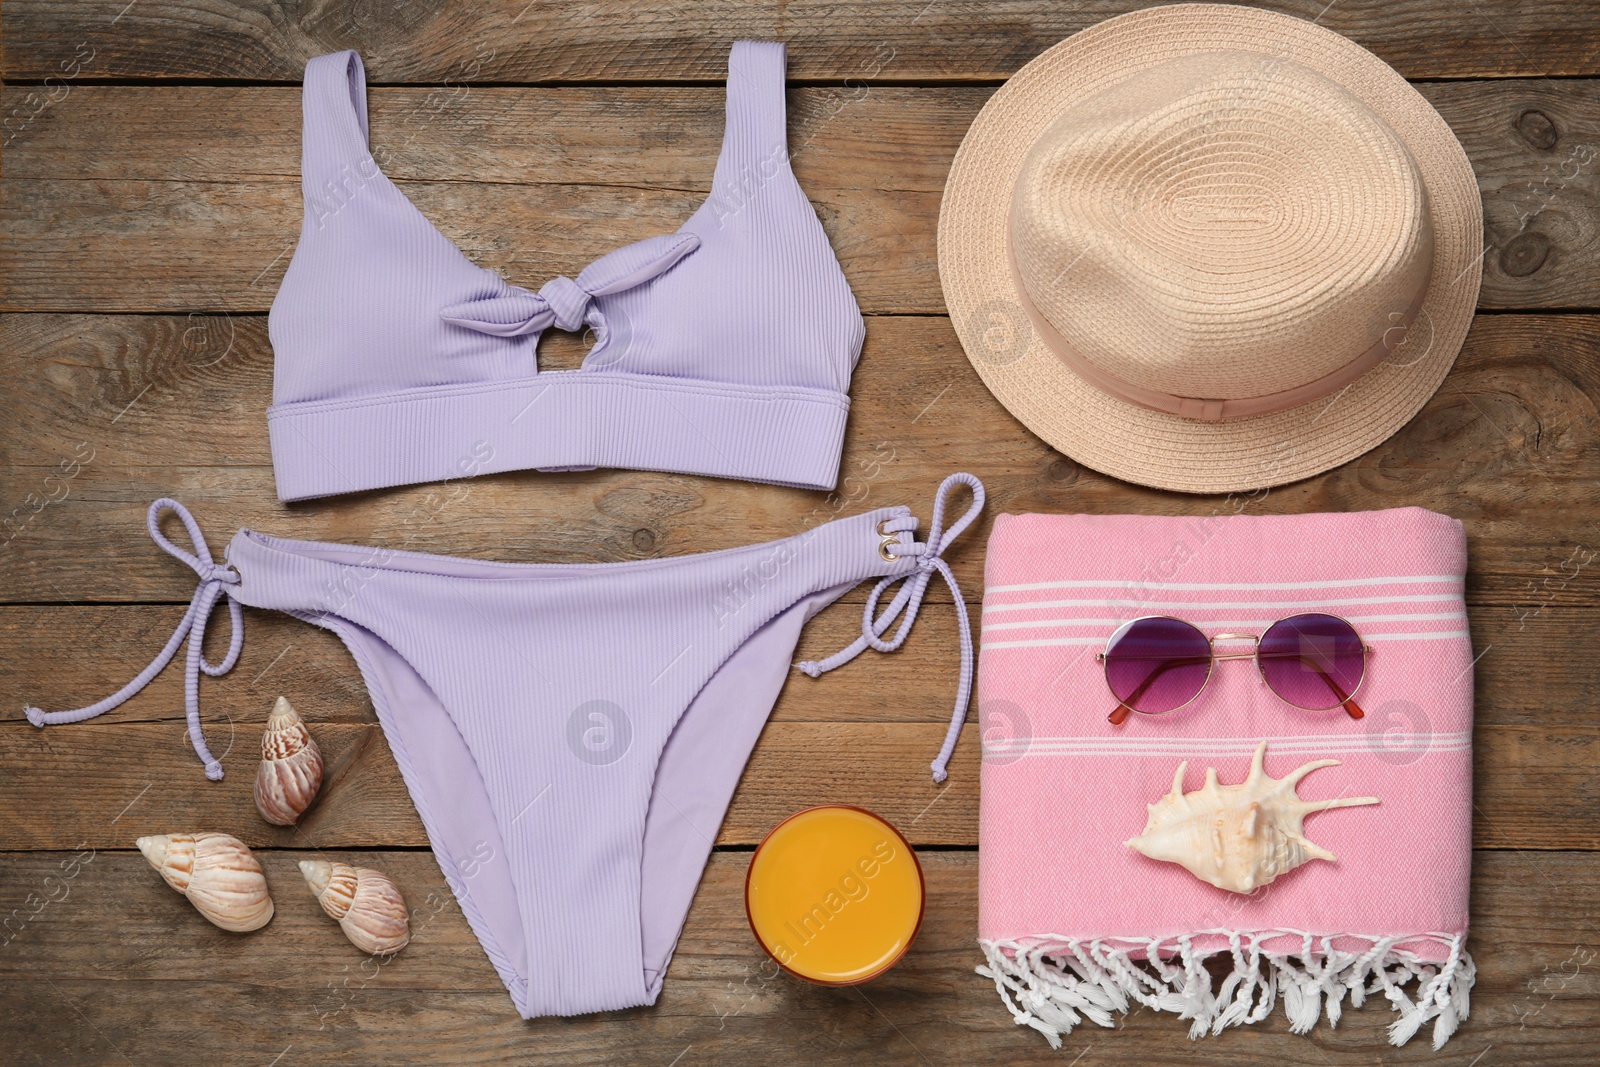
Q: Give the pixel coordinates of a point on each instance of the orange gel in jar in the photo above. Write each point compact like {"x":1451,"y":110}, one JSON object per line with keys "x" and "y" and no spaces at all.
{"x":835,"y":895}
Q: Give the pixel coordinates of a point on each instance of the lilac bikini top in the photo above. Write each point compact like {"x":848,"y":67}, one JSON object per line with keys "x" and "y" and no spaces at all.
{"x":723,"y":349}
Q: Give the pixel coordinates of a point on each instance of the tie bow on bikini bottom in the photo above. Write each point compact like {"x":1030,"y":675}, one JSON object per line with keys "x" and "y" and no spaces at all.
{"x":215,"y":581}
{"x":571,"y":734}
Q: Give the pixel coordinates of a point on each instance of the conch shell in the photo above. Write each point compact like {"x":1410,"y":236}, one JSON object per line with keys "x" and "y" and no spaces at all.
{"x":291,"y":767}
{"x":369,"y":907}
{"x":1238,"y":837}
{"x":217,"y":873}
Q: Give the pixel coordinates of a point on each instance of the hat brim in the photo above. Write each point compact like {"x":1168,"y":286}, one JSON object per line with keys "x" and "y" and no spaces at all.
{"x":1155,"y":448}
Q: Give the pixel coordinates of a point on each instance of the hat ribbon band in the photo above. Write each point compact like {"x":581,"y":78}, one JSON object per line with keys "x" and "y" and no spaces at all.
{"x":1205,"y":409}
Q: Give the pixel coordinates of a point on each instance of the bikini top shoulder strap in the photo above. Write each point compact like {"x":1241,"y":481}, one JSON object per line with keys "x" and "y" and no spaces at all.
{"x":333,"y":103}
{"x":755,"y":144}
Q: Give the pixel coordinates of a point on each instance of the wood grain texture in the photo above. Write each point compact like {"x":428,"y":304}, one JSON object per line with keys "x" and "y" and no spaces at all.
{"x":151,"y":406}
{"x":65,"y":656}
{"x":148,"y":206}
{"x":128,"y":779}
{"x":104,"y":960}
{"x":515,"y":40}
{"x":862,"y":736}
{"x":113,"y":204}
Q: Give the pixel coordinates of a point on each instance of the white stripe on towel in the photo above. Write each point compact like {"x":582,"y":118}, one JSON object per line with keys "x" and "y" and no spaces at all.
{"x":1192,"y":747}
{"x":1259,"y":624}
{"x":1298,"y":605}
{"x":1420,"y":579}
{"x":1052,"y":642}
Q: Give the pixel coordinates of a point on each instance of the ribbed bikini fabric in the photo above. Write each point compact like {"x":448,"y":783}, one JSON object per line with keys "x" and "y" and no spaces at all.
{"x":571,"y":734}
{"x":723,"y":349}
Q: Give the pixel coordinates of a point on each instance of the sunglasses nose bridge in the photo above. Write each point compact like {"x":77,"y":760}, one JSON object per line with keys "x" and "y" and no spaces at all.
{"x":1254,"y":639}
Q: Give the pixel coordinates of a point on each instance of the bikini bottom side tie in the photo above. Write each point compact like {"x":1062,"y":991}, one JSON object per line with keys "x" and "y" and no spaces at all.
{"x":571,"y":734}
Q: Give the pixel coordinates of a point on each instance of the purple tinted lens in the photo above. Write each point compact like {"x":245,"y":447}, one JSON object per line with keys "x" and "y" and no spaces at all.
{"x":1156,"y":665}
{"x":1312,"y":661}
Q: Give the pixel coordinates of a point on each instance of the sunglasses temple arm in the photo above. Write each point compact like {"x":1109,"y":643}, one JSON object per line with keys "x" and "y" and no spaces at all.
{"x":1119,"y":714}
{"x":1351,"y":708}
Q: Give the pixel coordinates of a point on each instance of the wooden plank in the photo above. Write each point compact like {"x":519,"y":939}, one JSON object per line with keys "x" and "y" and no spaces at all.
{"x":106,"y":234}
{"x":1535,"y":148}
{"x":628,"y":136}
{"x":116,"y":963}
{"x":152,"y":406}
{"x":128,"y":779}
{"x":312,"y":667}
{"x":109,"y":194}
{"x":1534,"y":667}
{"x":514,"y":40}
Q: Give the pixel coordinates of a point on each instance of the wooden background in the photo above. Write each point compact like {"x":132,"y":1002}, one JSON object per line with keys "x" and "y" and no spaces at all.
{"x":150,"y":202}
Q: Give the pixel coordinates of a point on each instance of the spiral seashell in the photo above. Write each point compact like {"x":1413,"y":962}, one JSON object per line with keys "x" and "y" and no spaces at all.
{"x":369,"y":907}
{"x":290,"y":772}
{"x":216,"y":873}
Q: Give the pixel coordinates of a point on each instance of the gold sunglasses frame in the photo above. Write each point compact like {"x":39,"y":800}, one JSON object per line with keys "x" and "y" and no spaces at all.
{"x":1349,"y":704}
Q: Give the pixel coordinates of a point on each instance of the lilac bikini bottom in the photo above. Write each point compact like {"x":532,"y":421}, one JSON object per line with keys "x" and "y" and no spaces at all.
{"x":571,"y":734}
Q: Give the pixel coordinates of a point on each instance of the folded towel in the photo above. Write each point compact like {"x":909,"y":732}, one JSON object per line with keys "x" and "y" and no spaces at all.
{"x":1076,"y":924}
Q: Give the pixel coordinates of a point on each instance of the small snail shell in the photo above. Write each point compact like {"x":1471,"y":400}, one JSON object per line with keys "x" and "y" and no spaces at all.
{"x":291,"y":767}
{"x":217,"y":873}
{"x":369,"y":907}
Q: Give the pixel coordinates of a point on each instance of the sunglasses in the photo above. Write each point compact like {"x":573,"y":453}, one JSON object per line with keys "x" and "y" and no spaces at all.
{"x":1157,"y":664}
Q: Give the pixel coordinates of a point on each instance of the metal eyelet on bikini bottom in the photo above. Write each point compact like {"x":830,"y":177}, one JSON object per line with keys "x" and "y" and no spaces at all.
{"x":888,"y":542}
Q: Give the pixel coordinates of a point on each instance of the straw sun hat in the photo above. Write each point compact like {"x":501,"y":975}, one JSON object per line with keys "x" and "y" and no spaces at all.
{"x":1209,"y":248}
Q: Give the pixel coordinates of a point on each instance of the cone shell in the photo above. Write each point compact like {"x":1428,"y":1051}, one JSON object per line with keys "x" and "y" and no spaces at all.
{"x":369,"y":907}
{"x":216,"y":873}
{"x":1238,"y":837}
{"x":290,"y":772}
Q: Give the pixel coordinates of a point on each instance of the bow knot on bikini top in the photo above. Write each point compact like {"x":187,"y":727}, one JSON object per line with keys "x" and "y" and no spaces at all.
{"x":723,"y":349}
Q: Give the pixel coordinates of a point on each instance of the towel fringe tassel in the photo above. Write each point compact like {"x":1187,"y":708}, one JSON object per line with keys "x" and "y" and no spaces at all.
{"x":1052,"y":984}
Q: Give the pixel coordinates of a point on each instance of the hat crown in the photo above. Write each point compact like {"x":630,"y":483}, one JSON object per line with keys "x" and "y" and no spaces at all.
{"x":1223,"y":225}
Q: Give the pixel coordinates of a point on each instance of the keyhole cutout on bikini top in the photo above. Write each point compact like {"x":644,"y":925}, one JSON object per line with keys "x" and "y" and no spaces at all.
{"x":559,"y":350}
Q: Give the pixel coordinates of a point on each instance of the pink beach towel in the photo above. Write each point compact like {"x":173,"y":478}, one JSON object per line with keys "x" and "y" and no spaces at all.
{"x":1067,"y":910}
